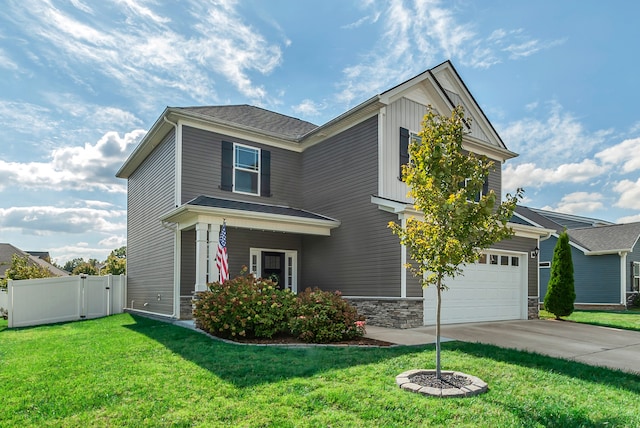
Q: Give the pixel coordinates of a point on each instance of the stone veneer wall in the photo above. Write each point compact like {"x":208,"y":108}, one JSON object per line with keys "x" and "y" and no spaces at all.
{"x":186,"y":307}
{"x":394,"y":313}
{"x":533,"y":308}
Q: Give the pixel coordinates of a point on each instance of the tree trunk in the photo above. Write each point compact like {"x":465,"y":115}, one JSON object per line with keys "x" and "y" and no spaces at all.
{"x":438,"y":303}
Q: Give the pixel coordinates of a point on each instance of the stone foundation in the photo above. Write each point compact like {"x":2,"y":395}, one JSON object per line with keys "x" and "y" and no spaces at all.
{"x":186,"y":307}
{"x":393,"y":313}
{"x":533,"y":308}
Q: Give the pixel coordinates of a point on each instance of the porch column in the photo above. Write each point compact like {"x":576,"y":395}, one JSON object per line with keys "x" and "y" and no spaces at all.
{"x":201,"y":256}
{"x":214,"y":237}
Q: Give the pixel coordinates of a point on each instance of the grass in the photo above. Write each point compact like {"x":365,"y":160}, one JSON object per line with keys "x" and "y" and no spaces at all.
{"x":627,"y":320}
{"x":129,"y":371}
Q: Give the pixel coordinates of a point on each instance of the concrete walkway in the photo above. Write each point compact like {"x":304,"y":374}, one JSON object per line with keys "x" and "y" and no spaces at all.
{"x":598,"y":346}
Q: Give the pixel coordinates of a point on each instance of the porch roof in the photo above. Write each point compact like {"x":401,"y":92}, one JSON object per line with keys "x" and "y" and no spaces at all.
{"x":249,"y":215}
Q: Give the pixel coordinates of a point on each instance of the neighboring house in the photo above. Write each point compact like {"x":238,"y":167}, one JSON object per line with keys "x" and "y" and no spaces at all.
{"x":310,"y":204}
{"x":7,"y":251}
{"x":606,"y":256}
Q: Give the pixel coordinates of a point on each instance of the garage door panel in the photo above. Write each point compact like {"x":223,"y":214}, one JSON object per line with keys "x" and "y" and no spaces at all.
{"x":486,"y":292}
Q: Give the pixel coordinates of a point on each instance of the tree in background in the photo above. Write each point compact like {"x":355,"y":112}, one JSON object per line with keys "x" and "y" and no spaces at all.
{"x":459,"y":221}
{"x":88,"y":268}
{"x":22,"y":268}
{"x":116,"y":263}
{"x":561,"y":291}
{"x":72,"y":264}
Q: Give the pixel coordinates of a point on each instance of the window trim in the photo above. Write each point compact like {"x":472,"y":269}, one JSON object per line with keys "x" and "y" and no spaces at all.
{"x":258,"y":171}
{"x":635,"y":285}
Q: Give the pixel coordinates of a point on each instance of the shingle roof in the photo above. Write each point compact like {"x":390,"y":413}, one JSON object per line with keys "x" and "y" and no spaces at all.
{"x":7,"y":251}
{"x":255,"y":117}
{"x":607,"y":238}
{"x":208,"y":201}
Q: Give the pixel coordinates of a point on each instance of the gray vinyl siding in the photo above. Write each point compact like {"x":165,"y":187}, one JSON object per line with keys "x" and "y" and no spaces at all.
{"x":201,"y":169}
{"x":596,"y":278}
{"x":518,"y":243}
{"x":362,"y":256}
{"x":239,"y":241}
{"x":188,"y":262}
{"x":633,"y":256}
{"x":150,"y":246}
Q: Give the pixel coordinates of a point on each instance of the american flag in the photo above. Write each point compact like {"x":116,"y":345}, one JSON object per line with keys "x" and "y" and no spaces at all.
{"x":222,"y":262}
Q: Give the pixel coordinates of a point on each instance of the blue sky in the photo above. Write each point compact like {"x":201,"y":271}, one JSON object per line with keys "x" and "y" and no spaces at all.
{"x":81,"y":82}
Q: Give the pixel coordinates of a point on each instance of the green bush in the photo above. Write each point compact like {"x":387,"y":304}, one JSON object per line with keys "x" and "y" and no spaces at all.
{"x":244,"y":306}
{"x":322,"y":317}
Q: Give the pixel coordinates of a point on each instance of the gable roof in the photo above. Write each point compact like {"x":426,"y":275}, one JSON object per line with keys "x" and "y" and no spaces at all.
{"x":591,"y":235}
{"x":608,"y":239}
{"x":558,"y":221}
{"x":254,"y":117}
{"x":7,"y":251}
{"x":278,"y":129}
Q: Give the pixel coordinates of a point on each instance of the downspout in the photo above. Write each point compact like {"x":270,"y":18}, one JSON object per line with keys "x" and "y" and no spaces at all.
{"x":177,"y":201}
{"x":623,"y":277}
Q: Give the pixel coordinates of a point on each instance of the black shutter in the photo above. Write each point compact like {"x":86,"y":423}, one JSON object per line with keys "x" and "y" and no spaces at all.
{"x":226,"y":181}
{"x":485,"y":186}
{"x":404,"y":150}
{"x":265,"y":173}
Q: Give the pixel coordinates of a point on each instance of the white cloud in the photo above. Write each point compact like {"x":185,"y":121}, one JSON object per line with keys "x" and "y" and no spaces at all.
{"x":578,"y":202}
{"x":409,"y":45}
{"x":530,"y":175}
{"x":46,"y":220}
{"x":91,"y":167}
{"x":629,"y":194}
{"x":626,"y":153}
{"x":308,"y":108}
{"x":559,"y":136}
{"x":152,"y":51}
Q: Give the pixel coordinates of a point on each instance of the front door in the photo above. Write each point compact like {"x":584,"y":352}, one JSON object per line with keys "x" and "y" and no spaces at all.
{"x":273,"y":267}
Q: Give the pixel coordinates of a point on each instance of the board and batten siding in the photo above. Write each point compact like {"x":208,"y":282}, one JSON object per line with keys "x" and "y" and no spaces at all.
{"x":409,"y":114}
{"x":521,"y":244}
{"x":202,"y":169}
{"x":362,"y":256}
{"x":150,"y":245}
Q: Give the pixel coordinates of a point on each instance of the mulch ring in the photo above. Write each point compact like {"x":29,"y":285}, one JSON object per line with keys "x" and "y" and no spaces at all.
{"x":450,"y":384}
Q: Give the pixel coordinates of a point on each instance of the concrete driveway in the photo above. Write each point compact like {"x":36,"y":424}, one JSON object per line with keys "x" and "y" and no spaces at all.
{"x":598,"y":346}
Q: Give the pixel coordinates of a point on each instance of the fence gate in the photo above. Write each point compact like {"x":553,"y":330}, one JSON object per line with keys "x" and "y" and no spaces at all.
{"x":51,"y":300}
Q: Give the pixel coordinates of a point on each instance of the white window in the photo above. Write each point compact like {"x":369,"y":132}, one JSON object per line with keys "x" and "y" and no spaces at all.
{"x":636,"y":276}
{"x":246,"y":169}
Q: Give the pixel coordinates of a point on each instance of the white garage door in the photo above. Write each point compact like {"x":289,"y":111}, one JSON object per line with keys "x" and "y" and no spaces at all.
{"x":494,"y":289}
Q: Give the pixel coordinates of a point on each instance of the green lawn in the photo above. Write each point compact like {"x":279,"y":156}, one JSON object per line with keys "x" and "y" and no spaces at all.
{"x":627,"y":320}
{"x":129,"y":371}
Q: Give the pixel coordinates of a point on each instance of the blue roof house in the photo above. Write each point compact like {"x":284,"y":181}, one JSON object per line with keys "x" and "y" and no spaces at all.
{"x":606,"y":256}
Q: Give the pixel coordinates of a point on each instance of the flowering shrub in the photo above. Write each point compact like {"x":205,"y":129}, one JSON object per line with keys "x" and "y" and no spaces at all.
{"x":322,"y":316}
{"x":244,"y":306}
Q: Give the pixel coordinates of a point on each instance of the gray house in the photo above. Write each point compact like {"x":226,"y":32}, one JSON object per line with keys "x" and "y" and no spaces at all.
{"x":309,"y":204}
{"x":606,"y":256}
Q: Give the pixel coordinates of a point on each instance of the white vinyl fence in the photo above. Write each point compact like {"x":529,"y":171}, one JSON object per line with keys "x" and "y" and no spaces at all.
{"x":51,"y":300}
{"x":4,"y":300}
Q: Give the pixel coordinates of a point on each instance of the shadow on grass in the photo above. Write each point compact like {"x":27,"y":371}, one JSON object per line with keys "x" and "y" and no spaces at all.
{"x":251,"y":365}
{"x":573,"y":369}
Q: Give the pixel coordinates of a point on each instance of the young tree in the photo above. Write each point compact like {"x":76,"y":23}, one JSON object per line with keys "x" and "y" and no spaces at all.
{"x":116,"y":263}
{"x":560,"y":291}
{"x":22,"y":268}
{"x":445,"y":184}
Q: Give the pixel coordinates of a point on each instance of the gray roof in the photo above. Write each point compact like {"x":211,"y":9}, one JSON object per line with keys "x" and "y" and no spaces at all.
{"x":7,"y":251}
{"x":607,"y":238}
{"x":255,"y":117}
{"x":208,"y":201}
{"x":570,"y":221}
